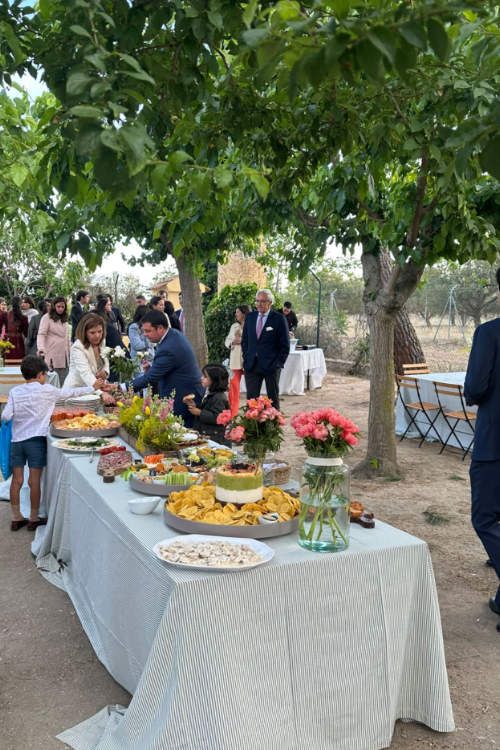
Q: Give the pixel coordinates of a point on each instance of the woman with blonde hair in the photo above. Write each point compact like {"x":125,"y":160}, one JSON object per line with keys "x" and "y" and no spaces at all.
{"x":53,"y":338}
{"x":88,"y":362}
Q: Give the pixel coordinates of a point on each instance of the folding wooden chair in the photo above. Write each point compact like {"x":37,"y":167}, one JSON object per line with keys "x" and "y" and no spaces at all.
{"x":420,"y":368}
{"x":413,"y":408}
{"x":454,"y":417}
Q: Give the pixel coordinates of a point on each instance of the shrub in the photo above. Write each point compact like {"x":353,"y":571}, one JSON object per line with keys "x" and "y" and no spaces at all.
{"x":219,"y":316}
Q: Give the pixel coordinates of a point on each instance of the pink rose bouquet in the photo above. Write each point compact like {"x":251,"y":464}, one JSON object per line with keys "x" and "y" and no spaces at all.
{"x":258,"y":426}
{"x":325,"y":432}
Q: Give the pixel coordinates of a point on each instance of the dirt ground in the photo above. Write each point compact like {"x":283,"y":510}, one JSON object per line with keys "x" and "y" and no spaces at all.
{"x":50,"y":678}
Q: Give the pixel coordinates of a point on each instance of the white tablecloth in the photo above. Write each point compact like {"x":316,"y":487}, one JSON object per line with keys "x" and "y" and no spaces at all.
{"x":9,"y":370}
{"x":299,"y":364}
{"x":310,"y":651}
{"x":428,"y":393}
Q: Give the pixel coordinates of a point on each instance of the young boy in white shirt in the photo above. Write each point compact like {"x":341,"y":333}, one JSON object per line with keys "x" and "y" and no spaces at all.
{"x":30,"y":407}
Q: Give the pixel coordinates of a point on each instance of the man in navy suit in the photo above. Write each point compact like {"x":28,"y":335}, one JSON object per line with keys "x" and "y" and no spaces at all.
{"x":482,"y":387}
{"x":265,"y":345}
{"x":174,"y":366}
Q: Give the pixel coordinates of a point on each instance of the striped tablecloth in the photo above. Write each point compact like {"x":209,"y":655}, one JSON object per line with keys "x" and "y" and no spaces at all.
{"x":316,"y":651}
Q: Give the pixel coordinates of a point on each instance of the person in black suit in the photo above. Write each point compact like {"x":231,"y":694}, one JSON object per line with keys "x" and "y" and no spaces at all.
{"x":78,"y":310}
{"x":482,"y":387}
{"x":265,"y":345}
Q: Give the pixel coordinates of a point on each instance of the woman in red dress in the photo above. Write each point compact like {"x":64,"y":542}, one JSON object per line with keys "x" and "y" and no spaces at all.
{"x":16,"y":330}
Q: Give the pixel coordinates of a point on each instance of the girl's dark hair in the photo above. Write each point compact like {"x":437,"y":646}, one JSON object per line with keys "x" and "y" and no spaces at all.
{"x":245,"y":309}
{"x":29,"y":300}
{"x":42,"y":305}
{"x":218,"y":376}
{"x":16,"y":309}
{"x":140,"y":312}
{"x":54,"y":315}
{"x":154,"y":300}
{"x":100,"y":308}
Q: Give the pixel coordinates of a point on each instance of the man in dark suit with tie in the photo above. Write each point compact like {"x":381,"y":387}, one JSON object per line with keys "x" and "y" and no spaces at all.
{"x":482,"y":387}
{"x":78,"y":310}
{"x":174,"y":367}
{"x":265,"y":345}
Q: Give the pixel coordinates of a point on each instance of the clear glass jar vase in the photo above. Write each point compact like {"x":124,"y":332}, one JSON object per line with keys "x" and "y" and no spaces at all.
{"x":324,"y":504}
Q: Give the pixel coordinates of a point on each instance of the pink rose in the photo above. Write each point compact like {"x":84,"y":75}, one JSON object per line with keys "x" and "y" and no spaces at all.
{"x":236,"y":434}
{"x":224,"y":417}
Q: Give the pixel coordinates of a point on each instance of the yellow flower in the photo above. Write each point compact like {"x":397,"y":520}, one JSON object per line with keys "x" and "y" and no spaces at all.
{"x":136,"y":398}
{"x":147,"y":411}
{"x":119,"y":403}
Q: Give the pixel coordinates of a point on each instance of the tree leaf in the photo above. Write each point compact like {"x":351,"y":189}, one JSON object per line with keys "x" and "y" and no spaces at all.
{"x":111,"y":139}
{"x":19,"y":173}
{"x":177,"y":158}
{"x":383,"y":40}
{"x":202,"y":184}
{"x":369,"y":60}
{"x":414,"y":33}
{"x":489,"y":157}
{"x":140,"y":76}
{"x":288,"y":9}
{"x":405,"y":59}
{"x":438,"y":38}
{"x":253,"y":37}
{"x":260,"y":183}
{"x":77,"y":82}
{"x":215,"y":19}
{"x":160,"y":177}
{"x":249,"y":13}
{"x":223,"y":177}
{"x":97,"y":60}
{"x":80,"y":31}
{"x":85,"y":110}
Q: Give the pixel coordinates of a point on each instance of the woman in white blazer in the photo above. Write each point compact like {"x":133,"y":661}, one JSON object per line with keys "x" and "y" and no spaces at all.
{"x":88,"y":363}
{"x":233,"y":342}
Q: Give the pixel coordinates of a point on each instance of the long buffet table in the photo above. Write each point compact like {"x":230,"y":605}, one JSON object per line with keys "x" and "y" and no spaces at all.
{"x":427,"y":393}
{"x":311,"y":650}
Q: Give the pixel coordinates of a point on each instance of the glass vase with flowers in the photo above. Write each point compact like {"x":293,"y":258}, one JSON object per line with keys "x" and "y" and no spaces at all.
{"x":325,"y":485}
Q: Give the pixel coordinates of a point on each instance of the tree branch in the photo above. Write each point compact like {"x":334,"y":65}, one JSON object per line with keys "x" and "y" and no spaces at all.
{"x":412,"y":235}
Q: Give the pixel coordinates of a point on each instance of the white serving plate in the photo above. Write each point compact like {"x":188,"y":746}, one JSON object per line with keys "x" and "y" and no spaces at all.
{"x":83,"y":447}
{"x":262,"y":549}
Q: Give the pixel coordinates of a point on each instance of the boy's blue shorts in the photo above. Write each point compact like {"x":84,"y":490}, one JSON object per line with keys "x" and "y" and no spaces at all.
{"x":32,"y":451}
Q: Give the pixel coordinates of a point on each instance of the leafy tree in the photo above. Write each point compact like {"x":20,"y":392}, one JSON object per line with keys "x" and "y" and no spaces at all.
{"x":371,"y":123}
{"x":219,"y":316}
{"x":27,"y":268}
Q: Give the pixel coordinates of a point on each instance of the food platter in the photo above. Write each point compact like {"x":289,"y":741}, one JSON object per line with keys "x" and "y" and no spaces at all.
{"x":155,"y":488}
{"x":257,"y":531}
{"x":68,"y":433}
{"x":84,"y":444}
{"x":264,"y":553}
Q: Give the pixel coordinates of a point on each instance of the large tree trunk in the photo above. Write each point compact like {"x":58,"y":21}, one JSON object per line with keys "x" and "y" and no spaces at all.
{"x":194,"y":324}
{"x":384,"y":297}
{"x":380,"y":459}
{"x":407,"y":348}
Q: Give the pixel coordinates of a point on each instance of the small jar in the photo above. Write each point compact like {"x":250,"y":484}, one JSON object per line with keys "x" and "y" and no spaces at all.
{"x":324,"y":505}
{"x":108,"y":477}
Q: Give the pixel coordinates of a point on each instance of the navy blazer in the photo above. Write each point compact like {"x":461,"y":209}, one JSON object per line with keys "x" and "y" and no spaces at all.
{"x":174,"y":367}
{"x":482,"y":387}
{"x":270,"y":351}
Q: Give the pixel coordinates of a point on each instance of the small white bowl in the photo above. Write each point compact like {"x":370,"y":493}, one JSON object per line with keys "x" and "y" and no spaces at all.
{"x":142,"y":506}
